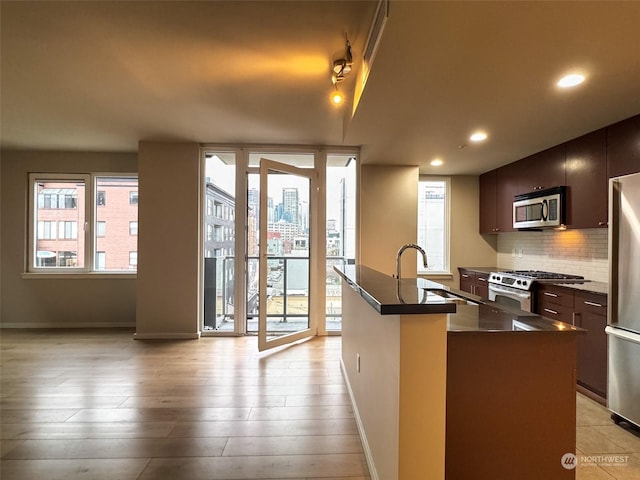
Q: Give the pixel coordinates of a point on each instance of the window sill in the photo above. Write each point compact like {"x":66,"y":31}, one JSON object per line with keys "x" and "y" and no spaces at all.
{"x":77,"y":275}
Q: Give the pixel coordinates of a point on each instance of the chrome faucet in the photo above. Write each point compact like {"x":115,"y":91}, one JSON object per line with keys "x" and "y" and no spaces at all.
{"x":399,"y":256}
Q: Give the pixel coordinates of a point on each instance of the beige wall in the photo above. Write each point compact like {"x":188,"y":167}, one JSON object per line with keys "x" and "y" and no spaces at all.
{"x":468,"y":247}
{"x":388,"y":212}
{"x":168,"y":291}
{"x":55,"y":302}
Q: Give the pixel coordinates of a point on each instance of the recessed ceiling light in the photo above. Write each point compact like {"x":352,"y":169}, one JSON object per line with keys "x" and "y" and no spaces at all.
{"x":571,"y":80}
{"x":478,"y":137}
{"x":436,"y":162}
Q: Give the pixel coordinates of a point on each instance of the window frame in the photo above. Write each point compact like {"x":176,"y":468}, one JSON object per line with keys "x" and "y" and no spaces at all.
{"x":89,"y":228}
{"x":447,"y":226}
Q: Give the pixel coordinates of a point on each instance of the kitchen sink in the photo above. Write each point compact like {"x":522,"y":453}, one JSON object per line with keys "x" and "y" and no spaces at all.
{"x":438,"y":295}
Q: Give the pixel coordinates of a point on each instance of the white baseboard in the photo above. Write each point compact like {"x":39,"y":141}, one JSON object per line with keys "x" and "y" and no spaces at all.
{"x":166,"y":336}
{"x":68,"y":325}
{"x":363,"y":436}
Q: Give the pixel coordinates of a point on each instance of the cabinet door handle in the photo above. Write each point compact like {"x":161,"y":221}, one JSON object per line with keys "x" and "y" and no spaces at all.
{"x":480,"y":279}
{"x":464,"y":275}
{"x":593,"y":304}
{"x":548,"y":310}
{"x":548,"y":294}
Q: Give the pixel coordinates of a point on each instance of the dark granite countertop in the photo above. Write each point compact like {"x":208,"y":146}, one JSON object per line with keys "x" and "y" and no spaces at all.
{"x":484,"y":269}
{"x":388,"y":296}
{"x":588,"y":286}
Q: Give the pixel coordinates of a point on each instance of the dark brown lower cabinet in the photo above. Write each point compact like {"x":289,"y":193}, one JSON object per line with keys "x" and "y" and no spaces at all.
{"x":586,"y":310}
{"x":476,"y":283}
{"x":591,"y":314}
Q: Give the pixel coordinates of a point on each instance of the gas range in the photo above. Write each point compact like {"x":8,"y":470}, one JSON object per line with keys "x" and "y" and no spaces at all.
{"x":525,"y":279}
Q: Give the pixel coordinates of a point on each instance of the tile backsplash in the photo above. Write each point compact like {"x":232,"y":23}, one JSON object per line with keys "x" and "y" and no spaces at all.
{"x":577,"y":252}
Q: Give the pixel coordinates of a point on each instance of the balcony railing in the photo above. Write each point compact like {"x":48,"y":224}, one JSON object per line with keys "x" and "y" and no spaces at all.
{"x":287,"y":290}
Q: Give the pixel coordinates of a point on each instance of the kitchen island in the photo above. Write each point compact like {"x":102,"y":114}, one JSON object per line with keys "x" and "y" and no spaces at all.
{"x":447,"y":385}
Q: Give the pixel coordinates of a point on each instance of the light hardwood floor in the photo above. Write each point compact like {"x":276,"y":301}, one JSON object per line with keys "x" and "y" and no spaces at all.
{"x":96,"y":404}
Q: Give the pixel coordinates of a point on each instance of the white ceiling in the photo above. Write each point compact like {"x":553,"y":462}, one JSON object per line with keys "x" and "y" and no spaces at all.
{"x":100,"y":76}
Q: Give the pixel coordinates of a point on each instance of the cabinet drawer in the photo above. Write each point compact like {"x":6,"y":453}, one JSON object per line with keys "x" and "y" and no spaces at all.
{"x":555,"y":295}
{"x":591,"y":303}
{"x":553,"y":311}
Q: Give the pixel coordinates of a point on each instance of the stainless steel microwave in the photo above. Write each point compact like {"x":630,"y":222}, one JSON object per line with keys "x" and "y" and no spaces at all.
{"x":540,"y":209}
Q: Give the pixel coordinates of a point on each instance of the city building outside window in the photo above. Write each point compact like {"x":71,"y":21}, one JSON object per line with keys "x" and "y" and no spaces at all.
{"x":433,"y":223}
{"x":68,"y":232}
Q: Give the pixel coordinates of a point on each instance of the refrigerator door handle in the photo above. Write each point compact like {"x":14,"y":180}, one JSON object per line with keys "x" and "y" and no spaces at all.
{"x":623,"y":334}
{"x":614,"y":238}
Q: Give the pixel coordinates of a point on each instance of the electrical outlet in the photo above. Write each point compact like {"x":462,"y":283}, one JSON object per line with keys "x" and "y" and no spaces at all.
{"x":358,"y":362}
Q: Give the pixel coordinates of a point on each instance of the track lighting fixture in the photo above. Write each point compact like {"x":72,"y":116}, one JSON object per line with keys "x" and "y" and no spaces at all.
{"x":342,"y":66}
{"x":340,"y":69}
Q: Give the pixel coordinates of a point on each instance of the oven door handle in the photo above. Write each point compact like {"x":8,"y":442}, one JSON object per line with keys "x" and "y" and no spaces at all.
{"x":499,"y":290}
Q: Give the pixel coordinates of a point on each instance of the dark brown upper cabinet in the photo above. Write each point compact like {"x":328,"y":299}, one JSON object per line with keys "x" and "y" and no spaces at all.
{"x":584,"y":164}
{"x":542,"y":170}
{"x":497,"y":189}
{"x":623,"y":147}
{"x":506,"y":188}
{"x":488,"y":203}
{"x":586,"y":169}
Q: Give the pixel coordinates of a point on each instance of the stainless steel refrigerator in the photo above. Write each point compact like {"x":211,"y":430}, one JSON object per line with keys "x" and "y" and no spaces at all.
{"x":623,"y":329}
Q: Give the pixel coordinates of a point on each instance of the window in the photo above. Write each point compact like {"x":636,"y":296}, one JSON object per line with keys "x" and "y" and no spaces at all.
{"x":133,"y":198}
{"x":67,"y":259}
{"x":101,"y":260}
{"x":47,"y":230}
{"x":68,"y":231}
{"x":433,"y":223}
{"x":133,"y":259}
{"x":209,"y":206}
